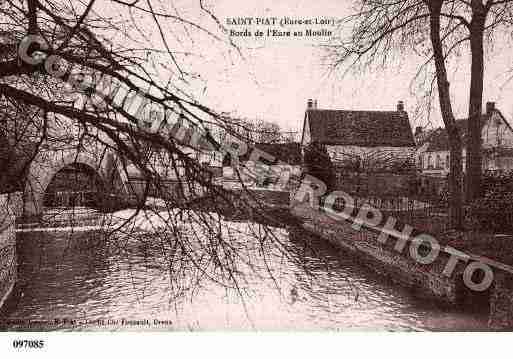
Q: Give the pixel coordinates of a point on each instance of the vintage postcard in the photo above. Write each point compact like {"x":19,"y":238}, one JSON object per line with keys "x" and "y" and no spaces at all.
{"x":200,"y":165}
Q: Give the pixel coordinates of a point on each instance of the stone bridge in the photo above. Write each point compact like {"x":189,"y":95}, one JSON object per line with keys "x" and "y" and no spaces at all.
{"x":104,"y":162}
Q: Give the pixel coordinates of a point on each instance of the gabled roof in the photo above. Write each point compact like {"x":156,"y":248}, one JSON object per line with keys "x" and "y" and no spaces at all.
{"x":360,"y":128}
{"x":439,"y":141}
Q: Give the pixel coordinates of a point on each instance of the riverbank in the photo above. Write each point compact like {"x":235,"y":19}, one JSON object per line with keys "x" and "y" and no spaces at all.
{"x":423,"y":280}
{"x":70,"y":278}
{"x":438,"y":279}
{"x":397,"y":266}
{"x":9,"y":208}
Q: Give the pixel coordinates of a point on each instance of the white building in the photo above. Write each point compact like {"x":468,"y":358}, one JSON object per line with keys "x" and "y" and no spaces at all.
{"x":497,"y":145}
{"x":280,"y":173}
{"x":379,"y":136}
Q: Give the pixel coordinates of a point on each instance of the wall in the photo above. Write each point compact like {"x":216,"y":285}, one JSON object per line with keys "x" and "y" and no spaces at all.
{"x":43,"y":169}
{"x":430,"y":165}
{"x":425,"y":279}
{"x":490,"y":162}
{"x":10,"y":207}
{"x":496,"y":132}
{"x":376,"y":184}
{"x":250,"y":171}
{"x":340,"y":153}
{"x":160,"y":161}
{"x":504,"y":163}
{"x":432,"y":187}
{"x":269,"y":197}
{"x":501,"y":303}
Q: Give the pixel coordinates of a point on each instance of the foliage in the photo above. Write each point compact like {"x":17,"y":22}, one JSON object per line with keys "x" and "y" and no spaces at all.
{"x":494,"y":210}
{"x":318,"y":164}
{"x":498,"y":182}
{"x":256,"y":131}
{"x":437,"y":30}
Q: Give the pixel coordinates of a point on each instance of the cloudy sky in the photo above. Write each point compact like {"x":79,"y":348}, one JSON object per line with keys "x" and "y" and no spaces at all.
{"x":272,"y":78}
{"x":276,"y":76}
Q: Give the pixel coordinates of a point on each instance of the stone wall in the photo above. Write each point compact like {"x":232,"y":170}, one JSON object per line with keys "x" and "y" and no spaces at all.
{"x":10,"y":207}
{"x":376,"y":184}
{"x":167,"y":189}
{"x":426,"y":279}
{"x":269,"y":197}
{"x":501,"y":303}
{"x":398,"y":267}
{"x":375,"y":154}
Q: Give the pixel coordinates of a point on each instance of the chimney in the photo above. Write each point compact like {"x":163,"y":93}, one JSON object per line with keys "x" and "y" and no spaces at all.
{"x":400,"y":106}
{"x":490,"y":107}
{"x":309,"y":104}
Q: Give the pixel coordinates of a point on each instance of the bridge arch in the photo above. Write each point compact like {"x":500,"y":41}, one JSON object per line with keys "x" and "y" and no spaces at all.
{"x":43,"y":170}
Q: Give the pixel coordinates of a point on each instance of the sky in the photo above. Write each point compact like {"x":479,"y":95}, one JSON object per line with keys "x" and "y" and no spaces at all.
{"x":276,"y":76}
{"x":272,"y":78}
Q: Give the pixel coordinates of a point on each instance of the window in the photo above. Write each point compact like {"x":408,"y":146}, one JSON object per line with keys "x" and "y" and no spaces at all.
{"x":438,"y":161}
{"x":447,"y":161}
{"x":430,"y":162}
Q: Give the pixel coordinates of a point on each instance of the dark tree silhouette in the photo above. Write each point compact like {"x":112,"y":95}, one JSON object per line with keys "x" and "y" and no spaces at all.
{"x":318,"y":164}
{"x":78,"y":72}
{"x":436,"y":29}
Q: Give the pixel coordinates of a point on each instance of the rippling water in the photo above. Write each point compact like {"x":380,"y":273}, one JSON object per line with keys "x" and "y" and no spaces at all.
{"x":79,"y":281}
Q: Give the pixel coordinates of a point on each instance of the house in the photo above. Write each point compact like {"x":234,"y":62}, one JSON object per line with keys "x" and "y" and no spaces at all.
{"x":287,"y":160}
{"x":192,"y":142}
{"x":497,"y":145}
{"x":372,"y":152}
{"x":369,"y":136}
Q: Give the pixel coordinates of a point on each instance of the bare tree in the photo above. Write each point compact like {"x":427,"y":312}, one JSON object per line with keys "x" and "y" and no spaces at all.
{"x":455,"y":143}
{"x":268,"y":132}
{"x":254,"y":130}
{"x":487,"y":17}
{"x":381,"y":29}
{"x":80,"y":73}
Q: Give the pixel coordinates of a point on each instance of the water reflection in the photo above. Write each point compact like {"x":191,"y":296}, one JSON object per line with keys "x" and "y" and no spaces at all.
{"x":84,"y":281}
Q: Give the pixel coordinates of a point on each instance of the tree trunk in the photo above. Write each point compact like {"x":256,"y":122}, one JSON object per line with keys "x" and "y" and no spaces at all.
{"x":455,"y":174}
{"x":473,"y":142}
{"x":455,"y":180}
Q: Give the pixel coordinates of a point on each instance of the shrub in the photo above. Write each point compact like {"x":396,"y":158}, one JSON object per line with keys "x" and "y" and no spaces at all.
{"x":494,"y":210}
{"x":318,"y":164}
{"x":497,"y":182}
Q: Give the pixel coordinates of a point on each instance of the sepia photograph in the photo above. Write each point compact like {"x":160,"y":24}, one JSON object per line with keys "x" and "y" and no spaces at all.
{"x":293,"y":166}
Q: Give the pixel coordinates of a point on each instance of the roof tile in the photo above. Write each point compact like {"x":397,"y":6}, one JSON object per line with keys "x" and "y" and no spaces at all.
{"x":438,"y":139}
{"x":360,"y":128}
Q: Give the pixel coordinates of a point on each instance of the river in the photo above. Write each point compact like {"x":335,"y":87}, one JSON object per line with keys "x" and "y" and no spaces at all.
{"x":82,"y":281}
